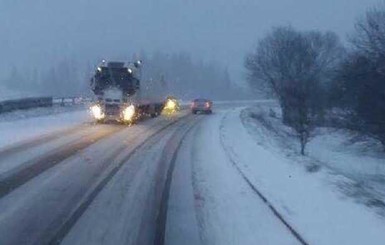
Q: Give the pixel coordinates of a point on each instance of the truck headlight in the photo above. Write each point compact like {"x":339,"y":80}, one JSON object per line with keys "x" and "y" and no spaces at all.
{"x":97,"y":112}
{"x":129,"y":113}
{"x":170,"y":105}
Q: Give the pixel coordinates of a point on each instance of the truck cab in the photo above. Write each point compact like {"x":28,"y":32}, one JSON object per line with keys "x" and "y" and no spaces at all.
{"x":116,"y":86}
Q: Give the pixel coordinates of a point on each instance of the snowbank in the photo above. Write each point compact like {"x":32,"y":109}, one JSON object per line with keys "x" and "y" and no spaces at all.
{"x":355,"y":162}
{"x":308,"y":200}
{"x":348,"y":152}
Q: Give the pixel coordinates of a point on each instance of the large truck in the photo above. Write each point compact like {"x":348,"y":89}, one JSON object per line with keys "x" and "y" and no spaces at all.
{"x":119,"y":95}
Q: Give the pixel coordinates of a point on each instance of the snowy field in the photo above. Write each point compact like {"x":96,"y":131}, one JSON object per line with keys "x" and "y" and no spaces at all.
{"x":354,"y":162}
{"x":334,"y":195}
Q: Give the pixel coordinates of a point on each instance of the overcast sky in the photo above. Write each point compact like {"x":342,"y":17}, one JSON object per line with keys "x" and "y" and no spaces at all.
{"x":44,"y":31}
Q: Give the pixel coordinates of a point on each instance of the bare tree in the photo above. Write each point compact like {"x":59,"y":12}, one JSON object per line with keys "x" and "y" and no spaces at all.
{"x":294,"y":65}
{"x":369,"y":36}
{"x":362,"y":75}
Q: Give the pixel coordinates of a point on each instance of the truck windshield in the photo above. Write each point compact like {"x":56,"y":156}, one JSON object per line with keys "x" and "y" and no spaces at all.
{"x":114,"y":76}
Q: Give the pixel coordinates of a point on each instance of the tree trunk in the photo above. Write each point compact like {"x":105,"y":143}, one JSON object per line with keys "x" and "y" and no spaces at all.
{"x":303,"y":140}
{"x":302,"y":149}
{"x":285,"y":114}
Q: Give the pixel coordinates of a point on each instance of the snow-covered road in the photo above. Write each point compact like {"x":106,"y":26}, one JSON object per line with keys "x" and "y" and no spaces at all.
{"x":37,"y":208}
{"x":185,"y":179}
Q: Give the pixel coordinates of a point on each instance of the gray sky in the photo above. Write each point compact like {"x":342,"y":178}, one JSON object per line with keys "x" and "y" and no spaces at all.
{"x":44,"y":31}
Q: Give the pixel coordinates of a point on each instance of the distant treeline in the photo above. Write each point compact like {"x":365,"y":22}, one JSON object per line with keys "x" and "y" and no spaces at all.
{"x":188,"y":79}
{"x":65,"y":78}
{"x":179,"y":73}
{"x":316,"y":77}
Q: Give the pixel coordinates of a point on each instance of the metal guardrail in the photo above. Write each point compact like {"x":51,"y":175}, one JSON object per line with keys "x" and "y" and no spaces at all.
{"x":30,"y":103}
{"x":25,"y":103}
{"x":69,"y":101}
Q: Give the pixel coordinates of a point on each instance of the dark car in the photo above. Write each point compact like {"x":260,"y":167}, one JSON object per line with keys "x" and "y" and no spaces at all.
{"x":201,"y":105}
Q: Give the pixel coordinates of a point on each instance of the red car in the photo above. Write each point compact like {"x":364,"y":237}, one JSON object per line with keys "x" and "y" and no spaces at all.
{"x":201,"y":105}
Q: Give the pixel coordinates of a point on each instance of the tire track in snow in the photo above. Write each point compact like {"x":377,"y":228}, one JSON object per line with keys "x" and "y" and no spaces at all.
{"x":70,"y":220}
{"x":40,"y":140}
{"x":254,"y":188}
{"x":25,"y":172}
{"x":169,"y":157}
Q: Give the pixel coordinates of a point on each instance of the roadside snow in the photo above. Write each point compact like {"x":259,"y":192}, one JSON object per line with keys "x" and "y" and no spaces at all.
{"x":320,"y":213}
{"x":12,"y":132}
{"x":355,"y":162}
{"x":22,"y":125}
{"x":40,"y":111}
{"x":360,"y":160}
{"x":343,"y":154}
